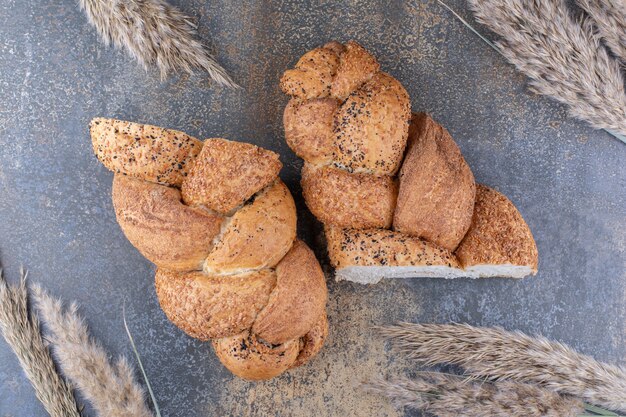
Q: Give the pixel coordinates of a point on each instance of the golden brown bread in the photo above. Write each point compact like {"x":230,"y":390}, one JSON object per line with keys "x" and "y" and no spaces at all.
{"x":167,"y":232}
{"x":498,"y":234}
{"x":356,"y":66}
{"x":248,"y":357}
{"x":313,"y":341}
{"x":354,"y":190}
{"x":258,"y":235}
{"x":309,"y":128}
{"x":312,"y":75}
{"x":381,"y":247}
{"x":252,"y":358}
{"x":437,"y":190}
{"x":143,"y":151}
{"x":371,"y":127}
{"x":227,"y":173}
{"x":298,"y":300}
{"x":213,"y":306}
{"x":337,"y":197}
{"x":228,"y":267}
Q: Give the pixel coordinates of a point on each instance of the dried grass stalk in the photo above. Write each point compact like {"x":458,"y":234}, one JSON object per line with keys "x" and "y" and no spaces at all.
{"x":451,"y":396}
{"x":155,"y":34}
{"x":500,"y":355}
{"x":111,"y":388}
{"x":22,"y":332}
{"x":609,"y":16}
{"x":562,"y":56}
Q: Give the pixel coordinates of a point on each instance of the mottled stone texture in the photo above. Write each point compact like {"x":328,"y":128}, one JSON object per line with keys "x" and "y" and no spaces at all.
{"x":56,"y":216}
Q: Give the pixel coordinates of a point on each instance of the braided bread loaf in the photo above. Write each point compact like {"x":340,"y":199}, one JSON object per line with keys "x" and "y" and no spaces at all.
{"x":221,"y":228}
{"x":395,"y":195}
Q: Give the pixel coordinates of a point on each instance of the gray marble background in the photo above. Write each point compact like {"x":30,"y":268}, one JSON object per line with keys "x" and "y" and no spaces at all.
{"x":56,"y":216}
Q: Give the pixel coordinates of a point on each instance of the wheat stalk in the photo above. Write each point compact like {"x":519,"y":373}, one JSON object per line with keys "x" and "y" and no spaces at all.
{"x":111,"y":388}
{"x":609,"y":16}
{"x":563,"y":58}
{"x":500,"y":355}
{"x":451,"y":396}
{"x":22,"y":332}
{"x":154,"y":33}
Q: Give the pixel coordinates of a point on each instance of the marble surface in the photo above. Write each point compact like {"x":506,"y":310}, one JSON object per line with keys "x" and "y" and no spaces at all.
{"x":56,"y":216}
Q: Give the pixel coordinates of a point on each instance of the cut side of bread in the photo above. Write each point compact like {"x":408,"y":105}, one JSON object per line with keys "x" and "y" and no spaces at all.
{"x":498,"y":244}
{"x":366,"y":256}
{"x":498,"y":236}
{"x":395,"y":195}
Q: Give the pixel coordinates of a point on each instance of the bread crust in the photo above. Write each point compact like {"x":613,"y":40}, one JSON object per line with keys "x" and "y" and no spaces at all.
{"x":498,"y":234}
{"x":211,"y":306}
{"x":436,"y":186}
{"x":167,"y":232}
{"x":258,"y":235}
{"x":372,"y":126}
{"x":381,"y":247}
{"x":313,"y":341}
{"x":223,"y":243}
{"x":250,"y":358}
{"x":339,"y":198}
{"x":225,"y":174}
{"x":298,"y":300}
{"x":312,"y":75}
{"x":356,"y":66}
{"x":354,"y":191}
{"x":309,"y":128}
{"x":142,"y":151}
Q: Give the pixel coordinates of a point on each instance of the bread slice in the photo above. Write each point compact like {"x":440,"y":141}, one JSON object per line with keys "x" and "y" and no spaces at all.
{"x":367,"y":256}
{"x":498,"y":244}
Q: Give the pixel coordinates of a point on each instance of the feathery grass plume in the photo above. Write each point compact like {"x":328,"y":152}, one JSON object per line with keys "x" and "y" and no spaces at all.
{"x":609,"y":16}
{"x":452,"y":396}
{"x":111,"y":388}
{"x":22,"y":332}
{"x":155,"y":34}
{"x":562,"y":56}
{"x":501,"y":355}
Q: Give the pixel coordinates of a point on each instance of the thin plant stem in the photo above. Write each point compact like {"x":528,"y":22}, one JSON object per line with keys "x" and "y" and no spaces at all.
{"x":143,"y":371}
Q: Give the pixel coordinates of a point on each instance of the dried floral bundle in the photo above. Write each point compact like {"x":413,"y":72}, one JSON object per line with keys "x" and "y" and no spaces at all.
{"x":609,"y":16}
{"x":500,"y":355}
{"x":452,"y":396}
{"x":111,"y":389}
{"x":563,"y":56}
{"x":22,"y":332}
{"x":156,"y":34}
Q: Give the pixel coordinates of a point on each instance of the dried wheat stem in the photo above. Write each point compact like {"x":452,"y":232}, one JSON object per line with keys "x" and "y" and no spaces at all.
{"x":562,"y":56}
{"x":111,"y":388}
{"x":154,"y":33}
{"x":609,"y":16}
{"x":497,"y":354}
{"x":22,"y":332}
{"x":451,"y":396}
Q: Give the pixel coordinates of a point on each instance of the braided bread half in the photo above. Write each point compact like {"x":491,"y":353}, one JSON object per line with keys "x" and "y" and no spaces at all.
{"x":395,"y":195}
{"x":221,"y":228}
